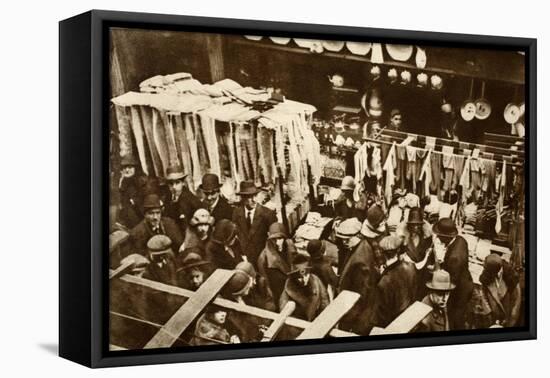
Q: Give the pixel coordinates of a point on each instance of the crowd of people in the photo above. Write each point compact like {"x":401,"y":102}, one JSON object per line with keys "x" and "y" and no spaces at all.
{"x":392,"y":257}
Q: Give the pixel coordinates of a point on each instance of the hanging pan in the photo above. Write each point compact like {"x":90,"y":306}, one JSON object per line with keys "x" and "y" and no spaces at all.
{"x":468,"y":108}
{"x":512,"y":112}
{"x":483,"y":108}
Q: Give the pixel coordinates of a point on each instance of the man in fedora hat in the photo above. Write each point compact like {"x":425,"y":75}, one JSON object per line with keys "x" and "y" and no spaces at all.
{"x":193,"y":270}
{"x":253,"y":221}
{"x":274,"y":260}
{"x":375,"y":229}
{"x":396,"y":290}
{"x":451,"y":254}
{"x":417,"y":242}
{"x":359,"y":273}
{"x":213,"y":201}
{"x":305,"y":289}
{"x":182,"y":203}
{"x":198,"y":230}
{"x":439,"y":291}
{"x":153,"y":224}
{"x":223,"y":249}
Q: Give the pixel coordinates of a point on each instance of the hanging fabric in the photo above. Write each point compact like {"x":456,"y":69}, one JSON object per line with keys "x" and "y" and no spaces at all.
{"x":137,"y":129}
{"x":426,"y":173}
{"x":500,"y":203}
{"x":146,"y":119}
{"x":389,"y":167}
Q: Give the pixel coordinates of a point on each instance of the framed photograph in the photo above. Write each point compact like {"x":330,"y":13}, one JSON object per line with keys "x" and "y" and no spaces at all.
{"x":234,"y":188}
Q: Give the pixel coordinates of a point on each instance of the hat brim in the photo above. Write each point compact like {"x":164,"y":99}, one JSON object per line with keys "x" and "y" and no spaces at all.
{"x":277,"y":235}
{"x":438,"y":232}
{"x":248,"y":193}
{"x":430,"y":286}
{"x":209,"y":190}
{"x":296,"y":271}
{"x":176,"y":176}
{"x":415,"y":222}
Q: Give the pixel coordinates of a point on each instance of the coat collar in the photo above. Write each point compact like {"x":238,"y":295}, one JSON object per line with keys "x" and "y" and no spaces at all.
{"x":274,"y":260}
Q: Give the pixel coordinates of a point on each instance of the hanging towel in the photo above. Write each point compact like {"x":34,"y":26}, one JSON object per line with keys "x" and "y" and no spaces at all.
{"x":389,"y":167}
{"x":137,"y":130}
{"x":411,"y":166}
{"x":448,"y":167}
{"x":426,"y":173}
{"x":500,"y":204}
{"x":430,"y":142}
{"x":147,"y":124}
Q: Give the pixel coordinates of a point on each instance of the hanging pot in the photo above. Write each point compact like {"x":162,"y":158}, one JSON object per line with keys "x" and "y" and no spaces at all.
{"x":359,"y":48}
{"x":420,"y":58}
{"x":483,"y":108}
{"x":253,"y":37}
{"x":401,"y":53}
{"x":280,"y":40}
{"x":304,"y":43}
{"x":521,"y":109}
{"x":468,"y":108}
{"x":511,"y":113}
{"x":333,"y":46}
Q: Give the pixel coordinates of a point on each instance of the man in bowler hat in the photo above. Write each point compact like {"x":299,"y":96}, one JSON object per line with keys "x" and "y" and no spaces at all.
{"x":213,"y":201}
{"x":182,"y":203}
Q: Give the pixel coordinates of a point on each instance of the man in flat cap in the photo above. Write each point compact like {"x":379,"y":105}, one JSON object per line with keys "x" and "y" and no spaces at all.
{"x":213,"y":201}
{"x":358,"y":273}
{"x":182,"y":203}
{"x":153,"y":224}
{"x":396,"y":289}
{"x":162,"y":266}
{"x":253,"y":221}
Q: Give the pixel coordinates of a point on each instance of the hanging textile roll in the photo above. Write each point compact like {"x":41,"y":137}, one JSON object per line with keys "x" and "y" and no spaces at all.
{"x":145,"y":118}
{"x":124,"y":132}
{"x":500,"y":203}
{"x":208,"y":127}
{"x":182,"y":146}
{"x":230,"y":141}
{"x":173,"y":158}
{"x":159,"y":137}
{"x":137,"y":129}
{"x":192,"y":143}
{"x":204,"y":161}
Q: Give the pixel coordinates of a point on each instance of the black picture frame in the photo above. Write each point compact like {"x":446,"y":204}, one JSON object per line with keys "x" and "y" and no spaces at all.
{"x":83,"y":140}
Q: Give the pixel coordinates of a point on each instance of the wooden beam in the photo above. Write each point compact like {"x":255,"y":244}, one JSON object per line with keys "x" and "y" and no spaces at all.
{"x":113,"y":347}
{"x":185,"y":315}
{"x":227,"y":304}
{"x":278,"y":323}
{"x":406,"y":321}
{"x":123,"y":269}
{"x":331,"y":315}
{"x":214,"y":45}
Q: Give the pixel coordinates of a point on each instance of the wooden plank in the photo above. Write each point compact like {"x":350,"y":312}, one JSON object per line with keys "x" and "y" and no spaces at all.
{"x":331,"y":315}
{"x":278,"y":323}
{"x":405,"y":322}
{"x":116,"y":238}
{"x":227,"y":304}
{"x":123,"y":269}
{"x":113,"y":347}
{"x":185,"y":315}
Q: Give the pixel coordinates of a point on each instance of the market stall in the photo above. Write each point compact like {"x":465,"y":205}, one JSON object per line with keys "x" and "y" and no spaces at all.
{"x":238,"y":133}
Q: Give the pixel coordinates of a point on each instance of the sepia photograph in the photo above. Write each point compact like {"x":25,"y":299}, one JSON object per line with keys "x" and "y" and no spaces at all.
{"x":271,"y":188}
